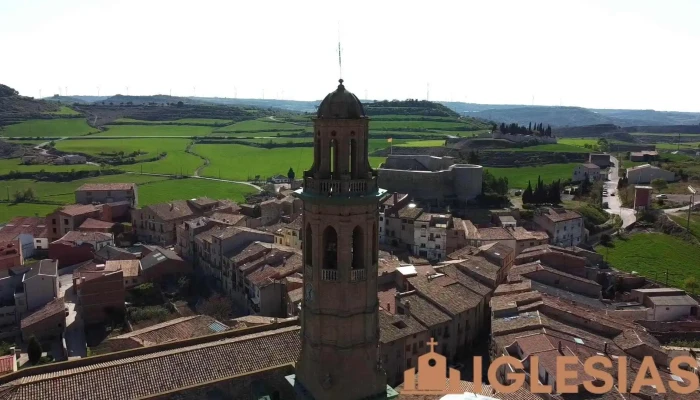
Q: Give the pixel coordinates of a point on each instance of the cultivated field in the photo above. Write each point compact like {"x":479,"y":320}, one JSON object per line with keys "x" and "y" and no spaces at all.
{"x":652,"y":255}
{"x":15,"y":164}
{"x":184,"y":121}
{"x":64,"y":111}
{"x":190,"y":188}
{"x":156,"y":130}
{"x":9,"y":211}
{"x":240,"y":162}
{"x":260,"y":125}
{"x":519,"y":177}
{"x":48,"y":128}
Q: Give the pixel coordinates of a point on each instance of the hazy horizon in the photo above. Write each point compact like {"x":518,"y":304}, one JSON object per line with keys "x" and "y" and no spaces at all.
{"x":620,"y":54}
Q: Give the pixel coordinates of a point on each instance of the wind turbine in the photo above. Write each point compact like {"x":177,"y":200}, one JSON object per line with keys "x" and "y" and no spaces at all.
{"x":194,"y":91}
{"x":235,"y":92}
{"x":98,"y":91}
{"x":127,"y":90}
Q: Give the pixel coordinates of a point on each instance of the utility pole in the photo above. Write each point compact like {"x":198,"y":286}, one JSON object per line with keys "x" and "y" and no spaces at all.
{"x":690,"y":207}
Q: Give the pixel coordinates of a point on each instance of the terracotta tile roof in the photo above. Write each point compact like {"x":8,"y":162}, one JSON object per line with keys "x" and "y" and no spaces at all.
{"x":176,"y":209}
{"x":394,"y":327}
{"x":106,"y":186}
{"x":158,"y":256}
{"x":424,"y":311}
{"x":35,"y":226}
{"x":176,"y":329}
{"x":91,"y":223}
{"x":252,"y":251}
{"x":77,"y":236}
{"x":590,"y":166}
{"x":51,"y":308}
{"x":494,"y":234}
{"x":278,"y":268}
{"x":560,"y":214}
{"x":481,"y":267}
{"x":389,"y":200}
{"x":466,"y":280}
{"x":78,"y":209}
{"x":227,"y":217}
{"x":129,"y":267}
{"x":296,"y":224}
{"x":534,"y":343}
{"x":44,"y":267}
{"x":387,"y":297}
{"x":163,"y":371}
{"x":203,"y":201}
{"x":520,"y":233}
{"x":446,"y":291}
{"x":387,"y":263}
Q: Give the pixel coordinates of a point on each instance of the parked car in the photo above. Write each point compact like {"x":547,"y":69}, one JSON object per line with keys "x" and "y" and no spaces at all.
{"x":661,"y":196}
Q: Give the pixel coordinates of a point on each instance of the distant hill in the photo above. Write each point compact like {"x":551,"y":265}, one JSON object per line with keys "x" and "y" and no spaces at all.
{"x":572,"y":116}
{"x":409,"y":107}
{"x":15,"y":108}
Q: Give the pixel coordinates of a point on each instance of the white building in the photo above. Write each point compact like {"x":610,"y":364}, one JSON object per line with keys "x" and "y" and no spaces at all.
{"x":388,"y":203}
{"x":71,"y":159}
{"x":647,"y":173}
{"x":430,"y":236}
{"x":666,"y":304}
{"x":591,"y":170}
{"x":565,"y":227}
{"x":40,"y":284}
{"x":31,"y":233}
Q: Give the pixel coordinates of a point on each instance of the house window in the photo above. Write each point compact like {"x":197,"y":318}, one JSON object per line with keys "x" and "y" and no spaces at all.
{"x":420,"y":344}
{"x":65,"y":221}
{"x":403,"y":227}
{"x":437,"y":247}
{"x":381,"y":218}
{"x":53,"y":221}
{"x":409,"y":363}
{"x":408,"y":347}
{"x":54,"y":230}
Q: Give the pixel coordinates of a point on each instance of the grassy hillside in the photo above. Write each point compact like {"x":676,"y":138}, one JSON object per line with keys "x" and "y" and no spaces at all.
{"x":48,"y":128}
{"x":519,"y":177}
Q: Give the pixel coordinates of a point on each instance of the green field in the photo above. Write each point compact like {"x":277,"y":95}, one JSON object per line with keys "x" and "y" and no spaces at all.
{"x":652,"y":254}
{"x":519,"y":177}
{"x":682,"y":220}
{"x":62,"y":192}
{"x":240,"y":162}
{"x":156,"y":130}
{"x":578,"y":142}
{"x":398,"y":117}
{"x":421,"y":143}
{"x":417,"y":124}
{"x":196,"y":121}
{"x":260,"y":125}
{"x":182,"y":189}
{"x":14,"y":164}
{"x":48,"y":128}
{"x":64,"y":111}
{"x":664,"y":134}
{"x":152,"y":189}
{"x":9,"y":211}
{"x":552,"y":148}
{"x":674,"y":146}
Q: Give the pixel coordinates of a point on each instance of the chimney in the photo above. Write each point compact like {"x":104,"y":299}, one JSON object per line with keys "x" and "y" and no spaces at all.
{"x":388,"y":307}
{"x":407,"y":306}
{"x":605,"y":347}
{"x":396,"y":198}
{"x":561,"y":348}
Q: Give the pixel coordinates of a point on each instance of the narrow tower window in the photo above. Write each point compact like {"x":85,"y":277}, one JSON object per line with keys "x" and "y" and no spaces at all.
{"x":353,"y":158}
{"x":334,"y":159}
{"x":308,"y":245}
{"x":317,"y":155}
{"x":330,"y":248}
{"x":358,"y":249}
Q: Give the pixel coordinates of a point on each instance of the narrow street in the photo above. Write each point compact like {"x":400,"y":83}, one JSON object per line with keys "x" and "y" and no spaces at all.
{"x":75,"y":332}
{"x":614,"y":203}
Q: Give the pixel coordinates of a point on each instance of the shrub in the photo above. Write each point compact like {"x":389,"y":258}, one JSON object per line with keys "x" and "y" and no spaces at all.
{"x":158,"y":313}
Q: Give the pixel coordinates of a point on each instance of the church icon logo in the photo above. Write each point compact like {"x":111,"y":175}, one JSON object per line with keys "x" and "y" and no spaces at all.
{"x":432,"y":375}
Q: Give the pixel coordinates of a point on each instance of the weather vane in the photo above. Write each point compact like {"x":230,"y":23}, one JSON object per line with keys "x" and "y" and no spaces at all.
{"x":340,"y":62}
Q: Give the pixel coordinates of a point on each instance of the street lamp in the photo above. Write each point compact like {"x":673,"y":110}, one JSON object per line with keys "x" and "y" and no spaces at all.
{"x":690,"y":207}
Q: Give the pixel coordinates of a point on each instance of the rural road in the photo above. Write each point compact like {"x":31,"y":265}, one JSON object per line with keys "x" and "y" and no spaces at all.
{"x":201,"y":177}
{"x":614,"y":204}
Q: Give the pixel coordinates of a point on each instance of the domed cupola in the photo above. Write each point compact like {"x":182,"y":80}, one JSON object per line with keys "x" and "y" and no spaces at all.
{"x":341,"y":104}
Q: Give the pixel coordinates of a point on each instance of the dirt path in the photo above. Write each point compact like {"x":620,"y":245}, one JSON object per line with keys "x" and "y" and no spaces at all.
{"x":258,"y":188}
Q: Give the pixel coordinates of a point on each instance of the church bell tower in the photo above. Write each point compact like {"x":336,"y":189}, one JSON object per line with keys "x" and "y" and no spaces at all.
{"x":339,"y":319}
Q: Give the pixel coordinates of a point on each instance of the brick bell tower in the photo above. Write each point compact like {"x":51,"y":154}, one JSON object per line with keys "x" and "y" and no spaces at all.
{"x":339,"y":319}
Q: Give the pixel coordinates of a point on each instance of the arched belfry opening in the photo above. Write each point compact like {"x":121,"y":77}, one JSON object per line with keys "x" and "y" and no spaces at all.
{"x":308,"y":245}
{"x":358,"y":248}
{"x":330,"y":249}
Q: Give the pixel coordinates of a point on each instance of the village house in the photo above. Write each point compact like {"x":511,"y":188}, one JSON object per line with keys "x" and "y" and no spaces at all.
{"x":588,"y":171}
{"x":602,"y":160}
{"x":100,"y":290}
{"x":399,"y":226}
{"x":163,"y":263}
{"x":430,"y":235}
{"x":158,"y":223}
{"x":116,"y":253}
{"x":95,"y":225}
{"x":68,"y":218}
{"x":216,"y":246}
{"x":290,"y":234}
{"x":278,"y":179}
{"x":31,"y":232}
{"x":188,"y":230}
{"x":46,"y":323}
{"x":10,"y":256}
{"x":565,"y":227}
{"x":70,"y":159}
{"x":76,"y":247}
{"x":644,"y":156}
{"x":666,"y":304}
{"x":131,"y":271}
{"x":91,"y":193}
{"x":40,"y":286}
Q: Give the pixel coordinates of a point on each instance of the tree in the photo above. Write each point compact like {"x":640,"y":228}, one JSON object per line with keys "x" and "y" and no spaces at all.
{"x":216,"y":306}
{"x":6,"y":91}
{"x":117,"y":229}
{"x":691,"y":284}
{"x":290,"y":174}
{"x":605,"y":239}
{"x":180,"y":104}
{"x":527,"y":194}
{"x":603,"y":144}
{"x":34,"y":350}
{"x":659,"y":184}
{"x":473,"y":158}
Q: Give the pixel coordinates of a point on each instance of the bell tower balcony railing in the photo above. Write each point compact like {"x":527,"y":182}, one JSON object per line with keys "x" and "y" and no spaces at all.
{"x":340,"y":186}
{"x":357,"y":275}
{"x":329,"y":274}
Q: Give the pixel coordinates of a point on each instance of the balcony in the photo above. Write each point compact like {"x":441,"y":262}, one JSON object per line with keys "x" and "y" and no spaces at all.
{"x":329,"y":274}
{"x":340,"y":186}
{"x":357,"y":275}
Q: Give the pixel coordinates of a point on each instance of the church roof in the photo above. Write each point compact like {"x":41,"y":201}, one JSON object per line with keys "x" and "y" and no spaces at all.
{"x":341,"y":104}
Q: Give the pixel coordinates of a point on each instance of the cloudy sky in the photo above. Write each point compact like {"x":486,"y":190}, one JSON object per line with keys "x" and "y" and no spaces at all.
{"x":591,"y":53}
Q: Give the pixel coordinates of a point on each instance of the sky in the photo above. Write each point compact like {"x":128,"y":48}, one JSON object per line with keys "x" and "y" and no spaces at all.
{"x":632,"y":54}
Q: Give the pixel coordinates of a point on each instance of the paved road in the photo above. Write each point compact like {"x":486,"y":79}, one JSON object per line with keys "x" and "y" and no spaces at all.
{"x":202,"y":177}
{"x":614,"y":204}
{"x":75,"y":331}
{"x":679,"y":209}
